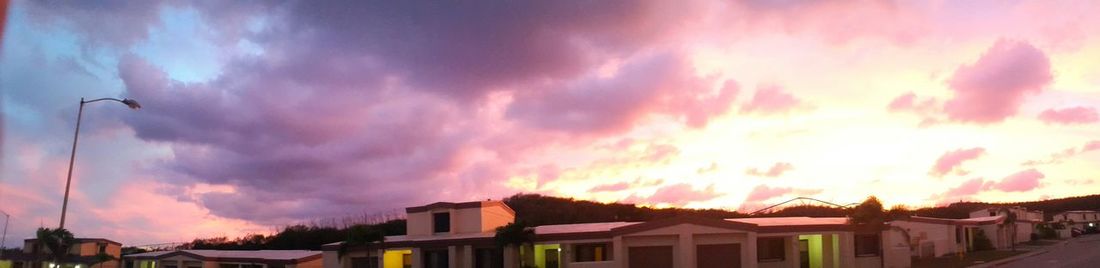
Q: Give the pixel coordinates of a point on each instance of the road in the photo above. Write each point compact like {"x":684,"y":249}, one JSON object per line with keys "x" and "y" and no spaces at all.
{"x":1079,"y":252}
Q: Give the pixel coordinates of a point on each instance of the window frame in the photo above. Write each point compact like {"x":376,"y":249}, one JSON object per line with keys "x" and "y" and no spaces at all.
{"x":446,"y":223}
{"x":862,"y":238}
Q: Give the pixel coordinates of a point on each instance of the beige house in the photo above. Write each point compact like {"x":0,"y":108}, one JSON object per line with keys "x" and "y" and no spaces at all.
{"x":935,"y":237}
{"x":84,"y":253}
{"x":224,"y":259}
{"x":1026,"y":220}
{"x":460,"y":235}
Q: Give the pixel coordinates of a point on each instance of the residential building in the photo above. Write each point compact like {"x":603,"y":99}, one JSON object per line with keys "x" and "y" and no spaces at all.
{"x":1078,"y":219}
{"x":461,"y":235}
{"x":935,"y":237}
{"x":85,"y":252}
{"x":1026,"y":220}
{"x":224,"y":259}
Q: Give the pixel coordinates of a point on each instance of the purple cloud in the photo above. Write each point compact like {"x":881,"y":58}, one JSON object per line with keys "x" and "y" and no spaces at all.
{"x":993,"y":88}
{"x":951,"y":161}
{"x":1072,"y":115}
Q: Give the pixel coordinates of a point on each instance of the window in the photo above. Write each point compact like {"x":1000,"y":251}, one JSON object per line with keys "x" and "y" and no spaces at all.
{"x":770,"y":249}
{"x":102,"y":248}
{"x":171,"y":264}
{"x":364,"y":262}
{"x":436,"y":259}
{"x":867,"y":245}
{"x":992,"y":213}
{"x":192,"y":264}
{"x":406,"y":260}
{"x":958,"y":235}
{"x":591,"y":252}
{"x":441,"y":222}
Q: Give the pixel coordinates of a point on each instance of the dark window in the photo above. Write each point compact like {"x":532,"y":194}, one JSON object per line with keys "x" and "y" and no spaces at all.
{"x":489,"y":258}
{"x":129,"y":264}
{"x":364,"y":262}
{"x":867,"y":245}
{"x":171,"y":264}
{"x":958,"y":235}
{"x":992,"y":213}
{"x":442,"y":222}
{"x":591,"y":252}
{"x":436,"y":259}
{"x":406,"y":260}
{"x":771,"y":249}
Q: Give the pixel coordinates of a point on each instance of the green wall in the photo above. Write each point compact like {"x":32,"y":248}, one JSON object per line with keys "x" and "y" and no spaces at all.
{"x":815,"y":249}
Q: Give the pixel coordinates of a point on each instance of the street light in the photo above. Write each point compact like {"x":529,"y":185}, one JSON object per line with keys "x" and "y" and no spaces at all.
{"x":133,"y":104}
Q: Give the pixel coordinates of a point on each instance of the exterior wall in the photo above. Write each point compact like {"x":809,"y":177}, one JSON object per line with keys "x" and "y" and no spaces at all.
{"x":942,"y":237}
{"x":895,"y":249}
{"x":419,"y":223}
{"x":330,"y":259}
{"x":568,"y":259}
{"x":315,"y":263}
{"x":466,"y":220}
{"x":493,"y":217}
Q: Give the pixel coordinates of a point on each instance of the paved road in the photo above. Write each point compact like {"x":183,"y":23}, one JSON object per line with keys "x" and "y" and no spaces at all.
{"x":1080,"y":252}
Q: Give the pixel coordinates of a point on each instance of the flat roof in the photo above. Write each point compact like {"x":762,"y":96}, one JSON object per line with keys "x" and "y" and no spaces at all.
{"x":581,"y":227}
{"x":83,"y":240}
{"x":792,"y":221}
{"x":278,"y":255}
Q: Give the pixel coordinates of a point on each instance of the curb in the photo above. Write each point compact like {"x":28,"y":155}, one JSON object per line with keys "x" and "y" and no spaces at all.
{"x":1004,"y":261}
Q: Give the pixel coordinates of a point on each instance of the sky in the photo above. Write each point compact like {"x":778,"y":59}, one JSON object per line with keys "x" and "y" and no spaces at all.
{"x":261,"y":114}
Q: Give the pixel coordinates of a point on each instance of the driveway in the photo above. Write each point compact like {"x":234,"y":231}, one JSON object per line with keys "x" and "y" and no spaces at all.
{"x":1079,"y":252}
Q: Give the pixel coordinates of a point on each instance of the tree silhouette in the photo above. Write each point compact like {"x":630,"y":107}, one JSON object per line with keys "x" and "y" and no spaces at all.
{"x":869,"y":212}
{"x":57,"y":241}
{"x":1010,"y":221}
{"x":515,"y":234}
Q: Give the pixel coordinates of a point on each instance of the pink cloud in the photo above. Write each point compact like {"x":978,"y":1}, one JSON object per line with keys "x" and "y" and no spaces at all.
{"x":993,"y":88}
{"x":963,"y":191}
{"x":951,"y":161}
{"x":1091,"y":146}
{"x":771,"y":100}
{"x":1022,"y":181}
{"x":762,"y":194}
{"x":775,"y":170}
{"x":910,"y":102}
{"x":1073,"y":115}
{"x":610,"y":187}
{"x":676,"y":195}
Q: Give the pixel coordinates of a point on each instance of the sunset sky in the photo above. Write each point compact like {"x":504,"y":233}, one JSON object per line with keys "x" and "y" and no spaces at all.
{"x":262,"y":114}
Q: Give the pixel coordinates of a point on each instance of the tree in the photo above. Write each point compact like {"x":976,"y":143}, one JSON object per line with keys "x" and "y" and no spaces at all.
{"x":515,"y":234}
{"x":899,"y":211}
{"x":57,"y":241}
{"x":361,"y":235}
{"x":869,"y":212}
{"x":1010,"y":221}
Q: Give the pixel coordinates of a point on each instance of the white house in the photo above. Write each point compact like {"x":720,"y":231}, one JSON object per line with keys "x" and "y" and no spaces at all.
{"x":1078,"y":219}
{"x":460,"y":235}
{"x":194,"y":258}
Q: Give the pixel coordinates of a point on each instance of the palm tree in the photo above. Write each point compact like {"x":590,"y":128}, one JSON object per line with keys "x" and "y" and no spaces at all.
{"x":516,"y":234}
{"x":57,"y":241}
{"x":1010,"y":221}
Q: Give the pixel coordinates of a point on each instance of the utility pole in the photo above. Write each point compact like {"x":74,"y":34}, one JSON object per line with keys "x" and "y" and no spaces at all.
{"x":4,"y":238}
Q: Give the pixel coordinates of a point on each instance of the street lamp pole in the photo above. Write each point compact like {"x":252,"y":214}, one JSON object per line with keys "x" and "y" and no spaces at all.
{"x":72,"y":157}
{"x":4,"y":238}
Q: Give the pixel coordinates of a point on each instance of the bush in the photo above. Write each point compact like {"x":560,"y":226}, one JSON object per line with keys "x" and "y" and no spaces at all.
{"x":1045,"y":231}
{"x":981,"y":242}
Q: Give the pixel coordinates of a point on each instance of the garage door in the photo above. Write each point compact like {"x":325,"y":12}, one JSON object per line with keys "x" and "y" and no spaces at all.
{"x":650,"y":257}
{"x":718,"y":256}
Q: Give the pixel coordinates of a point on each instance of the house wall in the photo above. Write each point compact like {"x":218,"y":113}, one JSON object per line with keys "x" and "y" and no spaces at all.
{"x":315,"y":263}
{"x":493,"y":217}
{"x":330,"y":259}
{"x":942,"y":236}
{"x":895,"y":249}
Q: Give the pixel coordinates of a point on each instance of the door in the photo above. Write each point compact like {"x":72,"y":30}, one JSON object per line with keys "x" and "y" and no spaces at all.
{"x":551,"y":258}
{"x":804,"y":253}
{"x":650,"y":257}
{"x":718,"y":256}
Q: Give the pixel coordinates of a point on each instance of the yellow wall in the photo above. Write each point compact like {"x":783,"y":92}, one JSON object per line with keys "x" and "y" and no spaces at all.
{"x":540,"y":254}
{"x":393,"y":259}
{"x":5,"y":264}
{"x":815,"y":249}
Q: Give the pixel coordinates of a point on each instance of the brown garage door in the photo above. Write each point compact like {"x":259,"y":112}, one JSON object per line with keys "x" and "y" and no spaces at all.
{"x":718,"y":256}
{"x":650,"y":257}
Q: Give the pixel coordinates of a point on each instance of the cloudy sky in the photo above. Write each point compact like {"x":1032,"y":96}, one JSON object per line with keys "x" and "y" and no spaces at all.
{"x":260,"y":114}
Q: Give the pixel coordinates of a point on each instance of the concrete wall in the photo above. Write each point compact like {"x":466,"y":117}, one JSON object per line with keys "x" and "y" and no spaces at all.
{"x":315,"y":263}
{"x":942,"y":236}
{"x":467,"y":220}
